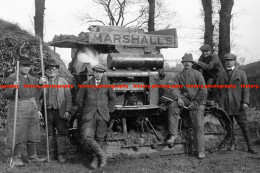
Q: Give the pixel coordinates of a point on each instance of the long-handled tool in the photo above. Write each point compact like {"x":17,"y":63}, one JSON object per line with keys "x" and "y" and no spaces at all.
{"x":15,"y":107}
{"x":45,"y":103}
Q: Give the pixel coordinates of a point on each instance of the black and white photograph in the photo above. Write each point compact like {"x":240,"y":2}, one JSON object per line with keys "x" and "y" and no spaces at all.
{"x":129,"y":86}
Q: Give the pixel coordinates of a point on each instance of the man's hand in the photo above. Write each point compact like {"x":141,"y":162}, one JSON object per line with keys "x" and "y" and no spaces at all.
{"x":16,"y":83}
{"x":40,"y":115}
{"x":180,"y":102}
{"x":43,"y":80}
{"x":244,"y":106}
{"x":67,"y":115}
{"x":193,"y":105}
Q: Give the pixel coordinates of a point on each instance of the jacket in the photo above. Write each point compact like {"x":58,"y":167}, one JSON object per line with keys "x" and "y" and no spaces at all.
{"x":212,"y":64}
{"x":91,"y":100}
{"x":63,"y":97}
{"x":186,"y":79}
{"x":231,"y":99}
{"x":24,"y":92}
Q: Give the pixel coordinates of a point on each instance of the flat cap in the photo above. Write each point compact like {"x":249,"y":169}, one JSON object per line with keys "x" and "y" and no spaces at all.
{"x":99,"y":67}
{"x":205,"y":48}
{"x":230,"y":56}
{"x":187,"y":58}
{"x":51,"y":62}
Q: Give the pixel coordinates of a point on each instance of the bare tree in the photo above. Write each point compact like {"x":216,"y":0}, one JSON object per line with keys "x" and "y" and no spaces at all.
{"x":39,"y":17}
{"x":209,"y":27}
{"x":151,"y":19}
{"x":224,"y":27}
{"x":130,"y":13}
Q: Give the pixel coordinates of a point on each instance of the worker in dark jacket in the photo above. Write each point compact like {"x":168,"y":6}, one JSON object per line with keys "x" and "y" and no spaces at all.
{"x":59,"y":108}
{"x":96,"y":104}
{"x":28,"y":113}
{"x":234,"y":100}
{"x":193,"y":98}
{"x":210,"y":63}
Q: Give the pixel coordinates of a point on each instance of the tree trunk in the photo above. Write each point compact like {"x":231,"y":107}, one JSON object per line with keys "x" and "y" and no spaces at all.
{"x":38,"y":18}
{"x":224,"y":27}
{"x":209,"y":27}
{"x":151,"y":15}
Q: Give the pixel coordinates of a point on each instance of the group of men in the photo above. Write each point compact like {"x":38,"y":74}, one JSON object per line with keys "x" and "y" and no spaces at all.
{"x":233,"y":101}
{"x":59,"y":107}
{"x":97,"y":103}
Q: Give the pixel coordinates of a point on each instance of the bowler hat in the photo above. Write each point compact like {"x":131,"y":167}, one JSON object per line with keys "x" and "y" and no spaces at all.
{"x":205,"y":48}
{"x":99,"y":67}
{"x":230,"y":56}
{"x":25,"y":61}
{"x":51,"y":62}
{"x":187,"y":58}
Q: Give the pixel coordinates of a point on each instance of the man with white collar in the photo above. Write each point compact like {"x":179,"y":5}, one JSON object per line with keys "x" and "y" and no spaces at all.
{"x":234,"y":101}
{"x":96,"y":103}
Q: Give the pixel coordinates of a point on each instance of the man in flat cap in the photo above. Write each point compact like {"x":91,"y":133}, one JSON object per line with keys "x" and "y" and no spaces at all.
{"x":59,"y":108}
{"x":28,"y":113}
{"x":234,"y":101}
{"x":192,"y":98}
{"x":96,"y":103}
{"x":209,"y":64}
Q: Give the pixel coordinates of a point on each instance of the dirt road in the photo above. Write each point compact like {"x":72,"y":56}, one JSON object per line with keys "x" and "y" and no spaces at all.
{"x":220,"y":161}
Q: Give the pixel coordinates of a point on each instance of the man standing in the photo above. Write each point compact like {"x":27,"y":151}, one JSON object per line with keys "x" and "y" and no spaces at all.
{"x":234,"y":101}
{"x":191,"y":97}
{"x":59,"y":107}
{"x":28,"y":114}
{"x":96,"y":103}
{"x":210,"y":63}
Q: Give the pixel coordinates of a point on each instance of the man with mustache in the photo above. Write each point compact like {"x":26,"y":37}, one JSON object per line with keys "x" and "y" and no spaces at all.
{"x":192,"y":98}
{"x":59,"y":108}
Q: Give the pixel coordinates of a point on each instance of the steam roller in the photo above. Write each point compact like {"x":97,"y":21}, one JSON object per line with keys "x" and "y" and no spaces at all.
{"x":138,"y":126}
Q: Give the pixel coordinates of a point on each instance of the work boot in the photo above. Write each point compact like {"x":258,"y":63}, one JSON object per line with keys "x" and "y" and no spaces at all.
{"x":171,"y":139}
{"x":233,"y":143}
{"x":103,"y":160}
{"x":201,"y":155}
{"x":226,"y":140}
{"x":17,"y":162}
{"x":246,"y":134}
{"x":53,"y":148}
{"x":61,"y":146}
{"x":32,"y":156}
{"x":94,"y":163}
{"x":98,"y":150}
{"x":61,"y":158}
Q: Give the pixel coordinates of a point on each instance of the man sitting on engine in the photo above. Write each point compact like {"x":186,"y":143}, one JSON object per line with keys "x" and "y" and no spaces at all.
{"x":193,"y":98}
{"x":210,"y":63}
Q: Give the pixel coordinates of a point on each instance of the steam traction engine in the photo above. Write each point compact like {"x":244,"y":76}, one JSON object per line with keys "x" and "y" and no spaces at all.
{"x":135,"y":65}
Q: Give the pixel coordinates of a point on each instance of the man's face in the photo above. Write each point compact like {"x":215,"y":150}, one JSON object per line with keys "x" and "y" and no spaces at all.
{"x":230,"y":63}
{"x":98,"y":74}
{"x":187,"y":65}
{"x":205,"y":53}
{"x":24,"y":69}
{"x":52,"y":71}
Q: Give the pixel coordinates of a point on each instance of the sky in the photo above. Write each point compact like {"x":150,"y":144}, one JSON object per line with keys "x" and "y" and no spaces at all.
{"x":63,"y":17}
